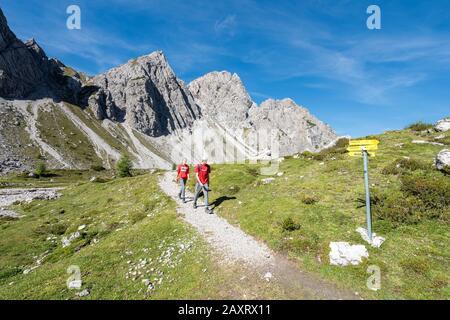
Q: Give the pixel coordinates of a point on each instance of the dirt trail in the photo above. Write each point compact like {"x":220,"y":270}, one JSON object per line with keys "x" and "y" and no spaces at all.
{"x":236,"y":246}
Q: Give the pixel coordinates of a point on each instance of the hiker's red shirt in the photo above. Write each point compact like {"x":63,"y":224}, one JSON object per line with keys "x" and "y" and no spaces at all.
{"x":203,"y":171}
{"x":183,"y":171}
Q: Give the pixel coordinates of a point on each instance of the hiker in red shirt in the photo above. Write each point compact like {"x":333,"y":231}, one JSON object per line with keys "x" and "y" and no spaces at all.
{"x":202,"y":175}
{"x":183,"y":177}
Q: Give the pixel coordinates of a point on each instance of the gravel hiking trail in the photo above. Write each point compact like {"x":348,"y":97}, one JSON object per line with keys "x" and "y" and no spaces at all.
{"x":235,"y":246}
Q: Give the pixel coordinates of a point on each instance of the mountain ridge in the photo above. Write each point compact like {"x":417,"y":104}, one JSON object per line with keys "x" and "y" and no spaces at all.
{"x":140,"y":108}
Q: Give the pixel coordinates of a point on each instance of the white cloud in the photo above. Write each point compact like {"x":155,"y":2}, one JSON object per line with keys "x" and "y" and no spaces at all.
{"x":226,"y":26}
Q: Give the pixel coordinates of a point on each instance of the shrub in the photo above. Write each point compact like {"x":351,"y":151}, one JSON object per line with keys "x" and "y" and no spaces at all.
{"x":419,"y":126}
{"x":418,"y":265}
{"x":340,"y":147}
{"x":98,"y":168}
{"x":290,"y":225}
{"x":396,"y":208}
{"x":47,"y":228}
{"x":124,"y":166}
{"x":307,"y":154}
{"x":307,"y":199}
{"x":420,"y":197}
{"x":400,"y":166}
{"x":433,"y":190}
{"x":41,"y":169}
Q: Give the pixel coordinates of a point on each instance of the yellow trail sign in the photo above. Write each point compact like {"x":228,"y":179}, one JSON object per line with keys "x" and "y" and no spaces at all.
{"x":364,"y":142}
{"x":360,"y":154}
{"x":360,"y":148}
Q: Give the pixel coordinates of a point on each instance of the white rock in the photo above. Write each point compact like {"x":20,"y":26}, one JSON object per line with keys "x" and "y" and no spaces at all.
{"x":280,"y":174}
{"x":84,"y":293}
{"x":428,"y":142}
{"x":344,"y":254}
{"x":82,"y":227}
{"x":442,"y":159}
{"x":268,"y":276}
{"x":268,"y":180}
{"x":376,"y":242}
{"x":67,"y":240}
{"x":75,"y":284}
{"x":443,"y":125}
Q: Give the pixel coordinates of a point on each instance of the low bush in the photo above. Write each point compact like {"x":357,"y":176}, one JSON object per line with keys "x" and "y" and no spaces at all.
{"x":419,"y":126}
{"x":308,"y":199}
{"x":340,"y":147}
{"x":433,"y":190}
{"x":290,"y":225}
{"x":421,"y":196}
{"x":40,"y":169}
{"x":48,"y":228}
{"x":97,"y":168}
{"x":404,"y":165}
{"x":124,"y":166}
{"x":396,"y":208}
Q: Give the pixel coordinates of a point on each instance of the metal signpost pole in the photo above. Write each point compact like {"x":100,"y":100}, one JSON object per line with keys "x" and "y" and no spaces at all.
{"x":366,"y":182}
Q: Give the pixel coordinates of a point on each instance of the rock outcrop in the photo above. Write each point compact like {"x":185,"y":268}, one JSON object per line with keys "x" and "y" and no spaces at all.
{"x":146,"y":94}
{"x":224,"y":99}
{"x":27,"y":72}
{"x":442,"y":161}
{"x":443,"y":125}
{"x":140,"y":109}
{"x":297,"y":129}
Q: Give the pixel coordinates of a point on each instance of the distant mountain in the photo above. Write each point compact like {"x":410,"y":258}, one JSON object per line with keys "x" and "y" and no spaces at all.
{"x":51,"y":112}
{"x":222,"y":97}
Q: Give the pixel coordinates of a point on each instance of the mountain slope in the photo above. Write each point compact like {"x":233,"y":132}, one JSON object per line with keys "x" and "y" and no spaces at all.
{"x":26,"y":71}
{"x":146,"y":94}
{"x":140,"y":109}
{"x":223,"y":97}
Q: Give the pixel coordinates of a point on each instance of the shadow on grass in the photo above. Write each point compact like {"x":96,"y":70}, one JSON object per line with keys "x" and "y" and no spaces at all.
{"x":221,"y":200}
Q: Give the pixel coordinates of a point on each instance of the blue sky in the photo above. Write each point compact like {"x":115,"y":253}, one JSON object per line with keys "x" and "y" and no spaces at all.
{"x":319,"y":52}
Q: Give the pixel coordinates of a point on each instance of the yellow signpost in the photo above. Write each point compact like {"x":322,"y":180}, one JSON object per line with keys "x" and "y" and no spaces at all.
{"x":365,"y":149}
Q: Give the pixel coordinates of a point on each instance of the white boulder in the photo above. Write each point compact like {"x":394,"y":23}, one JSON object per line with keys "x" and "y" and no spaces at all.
{"x":376,"y":242}
{"x":75,"y":284}
{"x":268,"y":180}
{"x":443,"y":125}
{"x":344,"y":254}
{"x":427,"y":142}
{"x":442,"y":159}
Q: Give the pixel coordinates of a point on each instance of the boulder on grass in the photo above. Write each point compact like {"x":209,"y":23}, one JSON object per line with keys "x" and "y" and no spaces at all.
{"x":442,"y":160}
{"x":344,"y":254}
{"x":443,"y":125}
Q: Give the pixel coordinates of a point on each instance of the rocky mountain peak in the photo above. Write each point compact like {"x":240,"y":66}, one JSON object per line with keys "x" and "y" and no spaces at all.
{"x":223,"y":97}
{"x":26,"y":71}
{"x":145,"y":94}
{"x":7,"y":37}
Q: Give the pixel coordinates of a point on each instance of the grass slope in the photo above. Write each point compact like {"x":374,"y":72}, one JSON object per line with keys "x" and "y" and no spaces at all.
{"x":127,"y":221}
{"x":316,"y":202}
